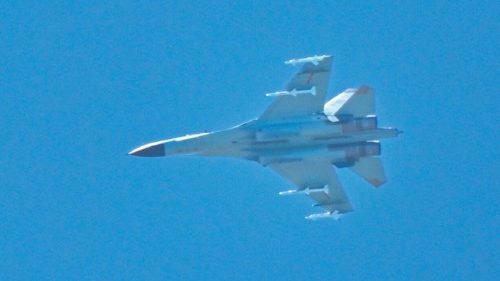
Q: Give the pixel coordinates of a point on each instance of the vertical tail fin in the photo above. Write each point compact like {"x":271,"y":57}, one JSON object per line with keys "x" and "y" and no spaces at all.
{"x":352,"y":102}
{"x":370,"y":169}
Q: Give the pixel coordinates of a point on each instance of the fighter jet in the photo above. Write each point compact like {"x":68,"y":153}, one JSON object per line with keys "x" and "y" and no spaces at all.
{"x":301,"y":137}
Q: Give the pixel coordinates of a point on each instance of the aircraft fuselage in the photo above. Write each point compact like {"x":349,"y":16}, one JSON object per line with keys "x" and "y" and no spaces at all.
{"x":340,"y":141}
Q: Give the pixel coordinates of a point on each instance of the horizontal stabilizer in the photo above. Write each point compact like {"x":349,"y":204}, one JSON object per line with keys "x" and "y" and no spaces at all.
{"x":352,"y":102}
{"x":371,"y":169}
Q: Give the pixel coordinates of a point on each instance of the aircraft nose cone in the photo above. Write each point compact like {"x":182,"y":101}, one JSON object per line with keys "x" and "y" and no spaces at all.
{"x":149,"y":150}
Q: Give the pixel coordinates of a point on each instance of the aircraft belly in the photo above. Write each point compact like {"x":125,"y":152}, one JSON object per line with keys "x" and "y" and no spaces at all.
{"x":298,"y":154}
{"x":297,"y":130}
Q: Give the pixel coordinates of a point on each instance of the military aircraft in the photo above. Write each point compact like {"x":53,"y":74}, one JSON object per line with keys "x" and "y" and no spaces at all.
{"x":301,"y":138}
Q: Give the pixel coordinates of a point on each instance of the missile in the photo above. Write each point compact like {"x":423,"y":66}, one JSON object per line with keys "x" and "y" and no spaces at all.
{"x":289,"y":192}
{"x":293,"y":92}
{"x":306,"y":191}
{"x":314,"y":60}
{"x":327,"y":215}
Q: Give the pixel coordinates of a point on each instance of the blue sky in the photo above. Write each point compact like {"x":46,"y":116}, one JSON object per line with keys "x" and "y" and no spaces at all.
{"x":82,"y":83}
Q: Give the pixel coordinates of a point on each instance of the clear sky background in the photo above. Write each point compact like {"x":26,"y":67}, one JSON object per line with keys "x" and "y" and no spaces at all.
{"x":82,"y":83}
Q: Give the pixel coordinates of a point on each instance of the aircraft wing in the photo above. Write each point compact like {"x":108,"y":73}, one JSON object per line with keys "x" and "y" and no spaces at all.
{"x":318,"y":180}
{"x":309,"y":75}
